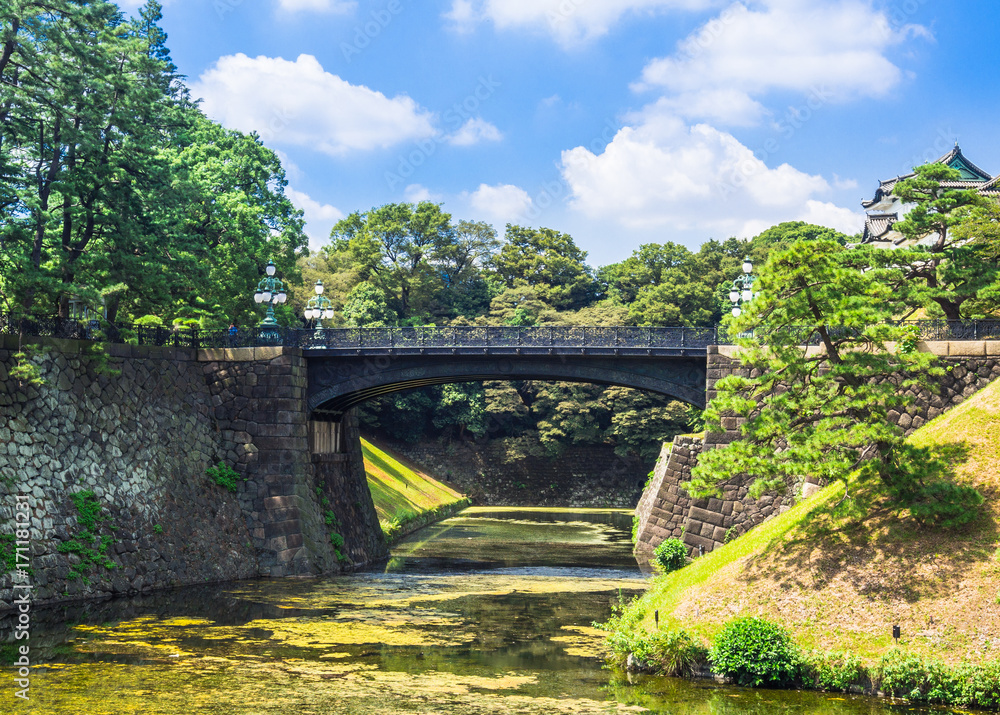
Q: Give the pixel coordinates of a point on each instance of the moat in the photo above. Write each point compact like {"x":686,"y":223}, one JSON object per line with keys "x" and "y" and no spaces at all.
{"x":486,"y":612}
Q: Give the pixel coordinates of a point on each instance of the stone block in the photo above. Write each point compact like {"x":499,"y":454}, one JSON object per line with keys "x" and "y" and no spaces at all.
{"x":719,"y":534}
{"x":694,"y":541}
{"x":281,"y":502}
{"x":934,"y":347}
{"x":967,"y":348}
{"x":282,"y":528}
{"x":709,"y":517}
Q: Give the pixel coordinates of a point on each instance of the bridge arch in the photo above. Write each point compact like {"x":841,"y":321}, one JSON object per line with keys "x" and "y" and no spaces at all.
{"x":337,"y":383}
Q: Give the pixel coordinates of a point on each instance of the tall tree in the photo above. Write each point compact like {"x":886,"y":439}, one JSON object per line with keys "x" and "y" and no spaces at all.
{"x":550,"y":262}
{"x":947,"y":263}
{"x":822,"y":411}
{"x":396,"y":246}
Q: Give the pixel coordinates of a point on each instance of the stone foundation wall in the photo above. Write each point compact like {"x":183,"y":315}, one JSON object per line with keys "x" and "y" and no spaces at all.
{"x":498,"y":473}
{"x":344,"y":493}
{"x":140,"y":441}
{"x":666,"y":511}
{"x":139,"y":428}
{"x":663,"y":509}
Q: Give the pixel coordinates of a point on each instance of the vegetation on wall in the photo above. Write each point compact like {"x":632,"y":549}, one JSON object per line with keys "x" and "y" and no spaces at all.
{"x":89,"y":545}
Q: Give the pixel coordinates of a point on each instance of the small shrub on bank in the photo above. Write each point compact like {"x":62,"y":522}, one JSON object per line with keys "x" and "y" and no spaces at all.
{"x":902,"y":675}
{"x":831,"y":670}
{"x":671,"y":555}
{"x":755,"y":652}
{"x":981,"y":686}
{"x":670,"y":652}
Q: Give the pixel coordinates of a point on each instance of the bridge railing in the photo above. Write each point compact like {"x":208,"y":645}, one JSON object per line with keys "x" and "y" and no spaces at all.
{"x":508,"y":337}
{"x":433,"y":337}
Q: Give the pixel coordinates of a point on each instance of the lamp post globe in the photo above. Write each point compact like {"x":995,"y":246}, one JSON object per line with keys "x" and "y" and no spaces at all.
{"x":319,"y":309}
{"x":742,"y":290}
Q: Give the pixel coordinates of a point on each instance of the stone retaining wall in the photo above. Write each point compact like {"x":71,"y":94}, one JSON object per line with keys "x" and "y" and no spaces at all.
{"x":666,"y":511}
{"x":493,"y":474}
{"x":139,"y":429}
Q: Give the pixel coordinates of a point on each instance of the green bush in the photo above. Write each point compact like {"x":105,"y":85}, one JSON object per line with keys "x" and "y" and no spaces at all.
{"x":89,"y":545}
{"x":671,"y":555}
{"x":981,"y":686}
{"x":831,"y":670}
{"x":754,"y":652}
{"x":670,"y":652}
{"x":902,"y":675}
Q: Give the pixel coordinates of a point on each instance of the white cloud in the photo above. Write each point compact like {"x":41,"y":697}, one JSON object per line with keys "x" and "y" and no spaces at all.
{"x":299,"y":103}
{"x":503,"y":203}
{"x":319,"y":218}
{"x":568,"y":21}
{"x":415,"y":193}
{"x":331,"y":6}
{"x":833,"y":51}
{"x":474,"y":131}
{"x":663,"y":173}
{"x":729,"y":107}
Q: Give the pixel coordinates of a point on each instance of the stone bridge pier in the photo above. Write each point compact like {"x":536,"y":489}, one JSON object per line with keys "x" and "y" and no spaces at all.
{"x":305,"y":486}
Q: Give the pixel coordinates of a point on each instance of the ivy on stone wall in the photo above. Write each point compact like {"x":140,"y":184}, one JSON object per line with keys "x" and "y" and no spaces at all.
{"x":90,"y":546}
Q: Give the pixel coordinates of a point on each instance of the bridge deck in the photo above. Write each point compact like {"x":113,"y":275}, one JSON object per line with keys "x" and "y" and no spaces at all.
{"x":468,"y":340}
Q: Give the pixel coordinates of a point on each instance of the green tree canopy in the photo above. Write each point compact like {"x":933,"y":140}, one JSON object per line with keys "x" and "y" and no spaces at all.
{"x":550,"y":262}
{"x":830,"y":366}
{"x":948,"y":266}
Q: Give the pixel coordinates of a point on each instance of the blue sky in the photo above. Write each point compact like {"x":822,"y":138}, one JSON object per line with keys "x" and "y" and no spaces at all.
{"x":619,"y":121}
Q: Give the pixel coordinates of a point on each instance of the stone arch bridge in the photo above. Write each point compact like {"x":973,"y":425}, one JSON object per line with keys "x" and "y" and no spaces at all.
{"x":275,"y":405}
{"x":348,"y":366}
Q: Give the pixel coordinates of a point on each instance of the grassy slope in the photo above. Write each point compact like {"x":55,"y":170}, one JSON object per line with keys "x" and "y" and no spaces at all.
{"x":400,"y":489}
{"x":840,"y":579}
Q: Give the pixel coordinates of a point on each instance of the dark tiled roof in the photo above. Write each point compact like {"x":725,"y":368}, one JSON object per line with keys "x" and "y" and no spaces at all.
{"x":885,"y":187}
{"x":877,"y":225}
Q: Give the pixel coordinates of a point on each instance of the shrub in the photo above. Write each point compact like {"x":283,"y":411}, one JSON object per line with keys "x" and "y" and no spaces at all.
{"x":902,"y":675}
{"x":981,"y":686}
{"x":670,"y":652}
{"x":671,"y":555}
{"x":753,"y":651}
{"x":832,"y":670}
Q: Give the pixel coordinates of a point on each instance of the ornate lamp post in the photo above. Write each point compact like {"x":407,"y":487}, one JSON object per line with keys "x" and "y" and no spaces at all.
{"x":319,"y":308}
{"x":270,"y":290}
{"x":742,"y":292}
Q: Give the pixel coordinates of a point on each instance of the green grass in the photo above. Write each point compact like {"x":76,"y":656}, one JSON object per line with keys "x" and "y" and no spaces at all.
{"x":402,"y":492}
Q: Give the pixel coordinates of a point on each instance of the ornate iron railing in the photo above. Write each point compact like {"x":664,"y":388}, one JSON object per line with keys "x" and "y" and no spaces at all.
{"x":697,"y":338}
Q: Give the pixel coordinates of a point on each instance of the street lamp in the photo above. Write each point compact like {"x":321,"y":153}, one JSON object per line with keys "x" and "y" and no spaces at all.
{"x":742,"y":291}
{"x":319,"y":308}
{"x":270,"y":290}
